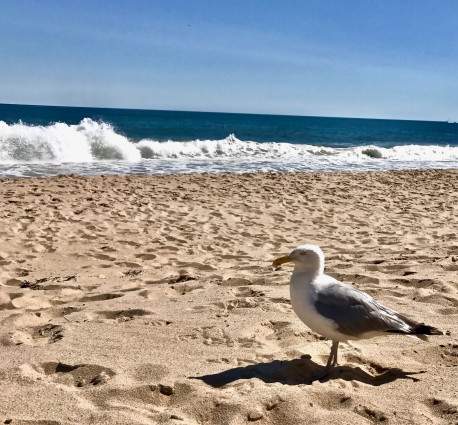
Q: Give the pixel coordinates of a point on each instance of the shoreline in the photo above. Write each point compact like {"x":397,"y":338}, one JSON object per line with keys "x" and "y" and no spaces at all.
{"x":116,"y":290}
{"x":236,"y":173}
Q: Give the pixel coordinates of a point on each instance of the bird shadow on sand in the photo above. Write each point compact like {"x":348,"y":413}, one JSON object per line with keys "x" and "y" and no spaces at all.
{"x":304,"y":371}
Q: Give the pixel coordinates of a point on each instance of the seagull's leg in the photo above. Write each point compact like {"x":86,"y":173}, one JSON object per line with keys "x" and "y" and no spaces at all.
{"x":334,"y":349}
{"x":332,"y":360}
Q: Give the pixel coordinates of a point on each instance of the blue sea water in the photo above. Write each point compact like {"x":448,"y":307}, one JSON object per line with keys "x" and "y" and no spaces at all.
{"x":39,"y":141}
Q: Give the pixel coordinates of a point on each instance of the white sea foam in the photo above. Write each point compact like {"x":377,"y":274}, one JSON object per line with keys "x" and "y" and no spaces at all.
{"x":92,"y":147}
{"x":86,"y":142}
{"x":231,"y":147}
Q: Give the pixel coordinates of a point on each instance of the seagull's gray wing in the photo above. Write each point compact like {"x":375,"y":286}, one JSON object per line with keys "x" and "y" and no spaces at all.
{"x":356,"y":313}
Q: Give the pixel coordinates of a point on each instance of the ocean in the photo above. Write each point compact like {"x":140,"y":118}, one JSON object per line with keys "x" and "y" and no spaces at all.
{"x":42,"y":141}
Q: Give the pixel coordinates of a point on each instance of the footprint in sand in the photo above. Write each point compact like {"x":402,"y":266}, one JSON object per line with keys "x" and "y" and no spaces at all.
{"x":35,"y":336}
{"x":103,"y":257}
{"x":133,"y":272}
{"x":245,"y":302}
{"x":124,"y":315}
{"x":280,"y":300}
{"x":146,"y":256}
{"x":287,"y":333}
{"x":83,"y":375}
{"x":47,"y":334}
{"x":13,"y":282}
{"x":101,"y":297}
{"x":246,"y":291}
{"x":236,"y":281}
{"x":64,"y":311}
{"x":374,"y":415}
{"x":212,"y":335}
{"x":444,"y":409}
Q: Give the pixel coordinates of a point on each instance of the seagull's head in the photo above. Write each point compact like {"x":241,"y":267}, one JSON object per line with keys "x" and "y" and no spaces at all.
{"x":306,"y":258}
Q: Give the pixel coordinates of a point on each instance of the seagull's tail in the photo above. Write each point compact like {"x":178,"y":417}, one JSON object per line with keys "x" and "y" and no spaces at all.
{"x":420,"y":330}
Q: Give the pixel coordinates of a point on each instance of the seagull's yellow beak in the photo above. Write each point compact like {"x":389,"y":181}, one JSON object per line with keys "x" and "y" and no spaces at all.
{"x":281,"y":260}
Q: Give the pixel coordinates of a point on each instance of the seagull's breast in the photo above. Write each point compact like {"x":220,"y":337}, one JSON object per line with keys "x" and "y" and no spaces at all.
{"x":303,"y":292}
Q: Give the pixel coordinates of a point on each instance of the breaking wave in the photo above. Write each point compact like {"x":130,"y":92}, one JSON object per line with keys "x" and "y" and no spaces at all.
{"x":85,"y":142}
{"x":231,"y":147}
{"x":97,"y":142}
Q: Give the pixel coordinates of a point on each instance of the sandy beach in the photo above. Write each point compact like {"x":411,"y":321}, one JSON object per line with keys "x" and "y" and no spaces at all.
{"x":152,"y":299}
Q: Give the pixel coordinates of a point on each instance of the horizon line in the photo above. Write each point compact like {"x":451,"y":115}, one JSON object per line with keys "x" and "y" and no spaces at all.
{"x":221,"y":112}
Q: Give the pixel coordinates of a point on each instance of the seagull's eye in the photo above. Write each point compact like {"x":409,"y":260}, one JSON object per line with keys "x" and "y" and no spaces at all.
{"x":302,"y":253}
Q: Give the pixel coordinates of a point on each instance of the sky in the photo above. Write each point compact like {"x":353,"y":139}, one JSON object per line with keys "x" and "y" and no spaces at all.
{"x":352,"y":58}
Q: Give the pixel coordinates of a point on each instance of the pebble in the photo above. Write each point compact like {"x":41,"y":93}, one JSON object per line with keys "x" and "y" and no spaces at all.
{"x":255,"y":415}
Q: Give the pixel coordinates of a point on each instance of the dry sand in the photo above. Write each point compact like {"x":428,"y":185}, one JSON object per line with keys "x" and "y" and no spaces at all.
{"x":116,"y":291}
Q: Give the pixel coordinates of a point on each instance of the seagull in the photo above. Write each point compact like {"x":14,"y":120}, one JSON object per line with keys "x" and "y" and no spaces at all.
{"x":339,"y":311}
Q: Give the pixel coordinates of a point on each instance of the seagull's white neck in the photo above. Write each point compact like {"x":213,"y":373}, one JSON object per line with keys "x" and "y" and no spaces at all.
{"x":305,"y":268}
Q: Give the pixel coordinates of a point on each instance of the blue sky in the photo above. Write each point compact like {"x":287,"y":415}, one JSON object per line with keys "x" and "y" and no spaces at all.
{"x":381,"y":59}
